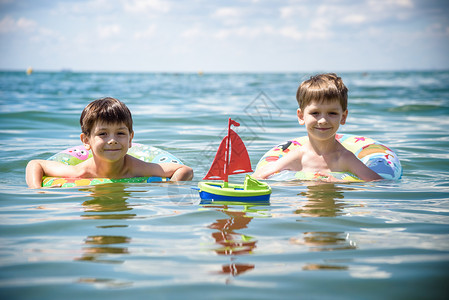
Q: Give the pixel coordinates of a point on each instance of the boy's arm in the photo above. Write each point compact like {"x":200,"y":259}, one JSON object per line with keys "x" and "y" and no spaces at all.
{"x":267,"y":170}
{"x":182,"y":173}
{"x":355,"y":166}
{"x":36,"y":169}
{"x":176,"y":172}
{"x":284,"y":163}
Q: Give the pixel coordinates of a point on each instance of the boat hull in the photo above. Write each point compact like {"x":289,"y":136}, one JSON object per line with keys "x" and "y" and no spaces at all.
{"x":216,"y":191}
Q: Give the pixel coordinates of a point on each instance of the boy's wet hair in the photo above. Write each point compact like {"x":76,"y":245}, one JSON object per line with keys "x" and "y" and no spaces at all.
{"x":322,"y":88}
{"x":108,"y":110}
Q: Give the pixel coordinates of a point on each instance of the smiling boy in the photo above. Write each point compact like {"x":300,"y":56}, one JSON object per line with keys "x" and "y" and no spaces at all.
{"x":322,"y":109}
{"x":107,"y":131}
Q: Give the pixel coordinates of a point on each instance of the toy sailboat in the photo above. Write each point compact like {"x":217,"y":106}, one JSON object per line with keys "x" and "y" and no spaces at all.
{"x":232,"y":158}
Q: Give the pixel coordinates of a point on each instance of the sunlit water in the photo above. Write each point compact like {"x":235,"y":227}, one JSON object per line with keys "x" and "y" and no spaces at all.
{"x":383,"y":240}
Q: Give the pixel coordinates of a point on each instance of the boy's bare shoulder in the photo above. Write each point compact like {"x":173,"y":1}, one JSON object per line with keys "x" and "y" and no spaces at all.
{"x":136,"y":167}
{"x":293,"y":159}
{"x":346,"y":155}
{"x":134,"y":162}
{"x":295,"y":153}
{"x":348,"y":160}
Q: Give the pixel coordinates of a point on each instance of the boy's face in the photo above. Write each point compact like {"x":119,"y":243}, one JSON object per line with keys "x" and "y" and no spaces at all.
{"x":109,"y":141}
{"x":322,"y":119}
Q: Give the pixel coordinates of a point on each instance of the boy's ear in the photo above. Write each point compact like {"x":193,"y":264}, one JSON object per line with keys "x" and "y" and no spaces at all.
{"x":131,"y":136}
{"x":300,"y":117}
{"x":85,"y":140}
{"x":343,"y":117}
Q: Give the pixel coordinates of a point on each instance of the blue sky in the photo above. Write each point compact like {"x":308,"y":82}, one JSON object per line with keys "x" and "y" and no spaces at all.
{"x":224,"y":36}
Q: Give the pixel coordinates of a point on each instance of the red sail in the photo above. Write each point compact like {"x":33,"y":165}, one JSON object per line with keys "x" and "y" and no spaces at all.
{"x":239,"y":161}
{"x":239,"y":158}
{"x":217,"y":169}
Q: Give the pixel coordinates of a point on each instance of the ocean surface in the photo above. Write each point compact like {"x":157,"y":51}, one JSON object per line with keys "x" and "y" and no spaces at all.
{"x":378,"y":240}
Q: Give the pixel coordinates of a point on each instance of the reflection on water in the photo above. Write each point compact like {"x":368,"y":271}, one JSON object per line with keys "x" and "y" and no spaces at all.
{"x":327,"y":241}
{"x":232,"y":243}
{"x":101,"y":282}
{"x":106,"y":201}
{"x":101,"y":247}
{"x":314,"y":267}
{"x":323,"y":200}
{"x":106,"y":204}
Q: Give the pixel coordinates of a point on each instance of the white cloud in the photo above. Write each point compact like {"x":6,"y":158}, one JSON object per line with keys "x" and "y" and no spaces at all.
{"x":374,"y":32}
{"x":149,"y":32}
{"x":108,"y":31}
{"x":9,"y":24}
{"x":227,"y":12}
{"x":222,"y":34}
{"x":23,"y":23}
{"x":82,"y":7}
{"x":146,"y":6}
{"x":245,"y":32}
{"x":45,"y":35}
{"x":354,"y":19}
{"x":402,"y":3}
{"x":291,"y":32}
{"x":293,"y":11}
{"x":192,"y":33}
{"x":436,"y":29}
{"x":229,"y":16}
{"x":388,"y":6}
{"x":36,"y":34}
{"x":319,"y":28}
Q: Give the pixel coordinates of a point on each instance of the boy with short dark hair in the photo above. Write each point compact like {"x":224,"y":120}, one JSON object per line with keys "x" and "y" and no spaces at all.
{"x":322,"y":109}
{"x":106,"y":126}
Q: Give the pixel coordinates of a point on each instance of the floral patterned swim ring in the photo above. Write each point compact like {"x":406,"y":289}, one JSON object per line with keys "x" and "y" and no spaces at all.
{"x":378,"y":157}
{"x":75,"y":155}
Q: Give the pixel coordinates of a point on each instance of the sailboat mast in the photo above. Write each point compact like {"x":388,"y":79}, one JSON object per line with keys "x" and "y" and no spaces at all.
{"x":228,"y":146}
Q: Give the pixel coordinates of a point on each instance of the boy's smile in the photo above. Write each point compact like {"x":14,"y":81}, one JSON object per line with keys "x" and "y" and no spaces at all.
{"x":322,"y":119}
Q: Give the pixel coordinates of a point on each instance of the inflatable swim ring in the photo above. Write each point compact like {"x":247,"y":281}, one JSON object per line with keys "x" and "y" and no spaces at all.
{"x":76,"y":155}
{"x":373,"y":154}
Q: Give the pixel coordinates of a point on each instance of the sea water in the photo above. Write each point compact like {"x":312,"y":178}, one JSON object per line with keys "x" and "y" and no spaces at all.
{"x":378,"y":240}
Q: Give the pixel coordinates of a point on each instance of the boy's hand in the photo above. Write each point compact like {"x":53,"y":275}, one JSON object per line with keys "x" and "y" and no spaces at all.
{"x":34,"y":173}
{"x":36,"y":169}
{"x":184,"y":173}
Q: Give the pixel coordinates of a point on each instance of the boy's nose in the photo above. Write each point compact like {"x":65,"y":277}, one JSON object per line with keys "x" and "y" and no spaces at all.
{"x":322,"y":120}
{"x":112,"y":141}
